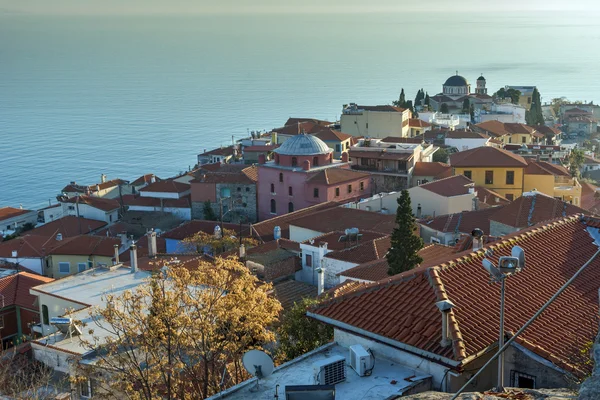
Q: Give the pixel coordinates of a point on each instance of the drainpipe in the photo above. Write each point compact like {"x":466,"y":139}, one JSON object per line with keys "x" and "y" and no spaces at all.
{"x":116,"y":247}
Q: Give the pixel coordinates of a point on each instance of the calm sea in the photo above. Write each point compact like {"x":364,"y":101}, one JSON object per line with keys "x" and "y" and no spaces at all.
{"x":125,"y":96}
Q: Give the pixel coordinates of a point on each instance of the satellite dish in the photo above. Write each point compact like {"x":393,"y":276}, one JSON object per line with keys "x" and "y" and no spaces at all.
{"x":491,"y":269}
{"x":258,"y":364}
{"x":518,"y":253}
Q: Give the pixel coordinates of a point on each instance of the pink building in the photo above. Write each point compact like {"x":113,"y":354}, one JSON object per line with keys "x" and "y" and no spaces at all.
{"x":303,"y":173}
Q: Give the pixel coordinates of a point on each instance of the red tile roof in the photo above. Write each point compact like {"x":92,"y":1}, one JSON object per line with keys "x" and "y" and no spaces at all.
{"x":298,"y":128}
{"x":489,"y":198}
{"x":341,"y":218}
{"x":221,"y":151}
{"x":486,"y":156}
{"x":590,"y":198}
{"x":465,"y":135}
{"x":532,"y":209}
{"x":590,"y":160}
{"x":456,"y":185}
{"x":188,"y":261}
{"x":10,"y":212}
{"x":141,"y":201}
{"x":260,"y":149}
{"x":382,"y":154}
{"x":366,"y":251}
{"x":15,"y":289}
{"x":545,"y":168}
{"x":463,"y":222}
{"x":68,"y":226}
{"x":290,"y":292}
{"x":144,"y":179}
{"x":86,"y":245}
{"x":190,"y":228}
{"x":321,"y":122}
{"x":28,"y":246}
{"x":334,"y":176}
{"x":264,"y":229}
{"x":418,"y":123}
{"x":437,"y":170}
{"x":167,"y":186}
{"x":333,"y":239}
{"x":377,"y":270}
{"x":331,"y":135}
{"x":74,"y":188}
{"x":547,"y":130}
{"x":403,"y":308}
{"x":96,"y":202}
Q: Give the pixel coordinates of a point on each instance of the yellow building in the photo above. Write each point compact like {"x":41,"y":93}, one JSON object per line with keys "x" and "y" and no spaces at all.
{"x":79,"y":253}
{"x":526,"y":97}
{"x":511,"y":133}
{"x":510,"y":175}
{"x":375,"y":121}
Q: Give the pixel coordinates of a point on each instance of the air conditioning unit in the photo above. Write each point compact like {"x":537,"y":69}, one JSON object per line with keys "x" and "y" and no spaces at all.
{"x":360,"y":359}
{"x":330,"y":371}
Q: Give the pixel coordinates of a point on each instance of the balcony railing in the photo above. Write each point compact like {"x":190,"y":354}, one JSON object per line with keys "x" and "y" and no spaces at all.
{"x":371,"y":168}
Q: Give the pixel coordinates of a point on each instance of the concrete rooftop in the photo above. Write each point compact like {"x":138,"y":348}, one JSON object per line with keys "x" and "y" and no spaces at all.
{"x":300,"y":372}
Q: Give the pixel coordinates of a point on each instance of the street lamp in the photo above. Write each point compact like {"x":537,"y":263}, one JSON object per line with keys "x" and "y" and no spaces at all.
{"x":507,"y":266}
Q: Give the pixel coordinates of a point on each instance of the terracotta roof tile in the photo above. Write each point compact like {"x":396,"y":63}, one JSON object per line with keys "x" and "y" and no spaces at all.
{"x":264,"y":229}
{"x":347,"y":286}
{"x":489,"y":198}
{"x":545,"y":168}
{"x":486,"y":157}
{"x":260,"y":149}
{"x":28,"y":246}
{"x":142,"y":201}
{"x":68,"y":226}
{"x":463,"y":222}
{"x":364,"y":252}
{"x":547,"y":130}
{"x":333,"y":239}
{"x":341,"y":218}
{"x":331,"y":135}
{"x":382,"y":154}
{"x":290,"y":292}
{"x":557,"y":334}
{"x":321,"y":122}
{"x":190,"y":228}
{"x":86,"y":245}
{"x":299,"y":127}
{"x":221,"y":151}
{"x":15,"y":289}
{"x":418,"y":123}
{"x":456,"y":185}
{"x":10,"y":212}
{"x":334,"y":176}
{"x":529,"y":210}
{"x":167,"y":186}
{"x":462,"y":134}
{"x":144,"y":179}
{"x":96,"y":202}
{"x":590,"y":198}
{"x":436,"y":169}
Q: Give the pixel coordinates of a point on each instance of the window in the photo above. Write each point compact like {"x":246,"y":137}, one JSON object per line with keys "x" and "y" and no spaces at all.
{"x":290,"y":207}
{"x":362,"y":186}
{"x":239,"y":189}
{"x":316,"y":193}
{"x":290,"y":191}
{"x":523,"y":139}
{"x":70,"y":208}
{"x":64,"y":267}
{"x":347,"y":145}
{"x":272,"y":188}
{"x":337,"y":192}
{"x":294,"y":162}
{"x":489,"y":177}
{"x":280,"y":177}
{"x":510,"y":177}
{"x":467,"y":174}
{"x":367,"y":125}
{"x":225,"y":192}
{"x":247,"y":189}
{"x":81,"y":267}
{"x":338,"y":148}
{"x":509,"y":140}
{"x":110,"y":218}
{"x":273,"y":207}
{"x":45,"y":317}
{"x":86,"y":389}
{"x":309,"y":260}
{"x":349,"y":188}
{"x":510,"y":197}
{"x":315,"y":161}
{"x":521,"y":380}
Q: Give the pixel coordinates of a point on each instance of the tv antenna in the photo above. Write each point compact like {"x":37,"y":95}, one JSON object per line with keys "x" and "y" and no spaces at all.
{"x":258,"y":364}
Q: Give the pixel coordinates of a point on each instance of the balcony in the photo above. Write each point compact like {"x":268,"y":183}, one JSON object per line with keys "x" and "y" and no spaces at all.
{"x":380,"y":169}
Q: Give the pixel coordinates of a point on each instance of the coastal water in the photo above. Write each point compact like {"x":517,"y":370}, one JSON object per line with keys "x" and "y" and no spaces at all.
{"x":124,"y":96}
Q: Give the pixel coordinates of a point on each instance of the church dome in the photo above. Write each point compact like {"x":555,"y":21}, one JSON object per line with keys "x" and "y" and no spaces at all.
{"x":303,"y":145}
{"x":481,"y":78}
{"x":456,"y":80}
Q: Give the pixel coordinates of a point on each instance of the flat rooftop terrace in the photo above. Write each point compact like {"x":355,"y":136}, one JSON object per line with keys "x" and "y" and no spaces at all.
{"x":387,"y":379}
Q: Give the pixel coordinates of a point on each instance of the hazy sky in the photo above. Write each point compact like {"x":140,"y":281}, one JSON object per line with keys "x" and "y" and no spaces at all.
{"x":261,"y":6}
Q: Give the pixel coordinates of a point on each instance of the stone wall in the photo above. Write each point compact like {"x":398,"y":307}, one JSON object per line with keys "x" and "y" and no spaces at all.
{"x":244,"y":203}
{"x":280,"y":269}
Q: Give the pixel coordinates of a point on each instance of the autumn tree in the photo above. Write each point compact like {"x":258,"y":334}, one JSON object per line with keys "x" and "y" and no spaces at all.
{"x":182,"y":334}
{"x":22,"y":378}
{"x":299,"y":334}
{"x":403,"y":254}
{"x":225,"y":241}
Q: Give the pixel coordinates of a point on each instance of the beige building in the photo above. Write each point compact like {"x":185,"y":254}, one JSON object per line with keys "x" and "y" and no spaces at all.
{"x":444,"y":196}
{"x":375,"y":121}
{"x":80,"y":253}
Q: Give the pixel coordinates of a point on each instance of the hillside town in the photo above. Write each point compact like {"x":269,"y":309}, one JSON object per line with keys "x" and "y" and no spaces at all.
{"x":351,"y":254}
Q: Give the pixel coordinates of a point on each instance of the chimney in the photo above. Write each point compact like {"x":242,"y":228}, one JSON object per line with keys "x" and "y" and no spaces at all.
{"x":262,"y":159}
{"x":345,"y":157}
{"x":116,"y":247}
{"x":475,"y":203}
{"x":14,"y":254}
{"x":133,"y":258}
{"x":97,"y":189}
{"x":102,"y":178}
{"x":242,"y":251}
{"x":152,"y":179}
{"x":273,"y":137}
{"x":124,"y":240}
{"x":537,"y":157}
{"x":419,"y":210}
{"x":445,"y":306}
{"x":477,"y":235}
{"x":152,"y":244}
{"x":59,"y":236}
{"x":306,"y":165}
{"x":320,"y":281}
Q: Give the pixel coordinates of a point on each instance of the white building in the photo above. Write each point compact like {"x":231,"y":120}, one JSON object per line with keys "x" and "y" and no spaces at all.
{"x":163,"y":196}
{"x":444,"y":196}
{"x":466,"y":140}
{"x":375,"y":121}
{"x":448,"y":121}
{"x":504,"y":112}
{"x":12,"y":219}
{"x":91,"y":207}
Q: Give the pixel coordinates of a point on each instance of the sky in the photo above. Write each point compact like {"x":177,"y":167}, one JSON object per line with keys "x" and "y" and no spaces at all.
{"x":127,"y":7}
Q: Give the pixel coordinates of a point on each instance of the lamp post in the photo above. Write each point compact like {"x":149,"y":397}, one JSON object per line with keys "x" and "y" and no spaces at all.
{"x":507,"y":266}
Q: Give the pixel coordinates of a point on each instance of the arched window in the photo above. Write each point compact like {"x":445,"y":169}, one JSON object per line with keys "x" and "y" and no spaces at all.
{"x":273,"y":207}
{"x":272,"y":188}
{"x":315,"y":161}
{"x":290,"y":207}
{"x":45,"y":318}
{"x":281,"y":177}
{"x":294,"y":162}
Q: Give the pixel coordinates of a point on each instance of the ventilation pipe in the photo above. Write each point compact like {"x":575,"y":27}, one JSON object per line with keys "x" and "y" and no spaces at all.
{"x":445,"y":306}
{"x":59,"y":236}
{"x":116,"y":247}
{"x":133,"y":258}
{"x":419,"y":210}
{"x":320,"y":281}
{"x":152,"y":244}
{"x":477,"y":235}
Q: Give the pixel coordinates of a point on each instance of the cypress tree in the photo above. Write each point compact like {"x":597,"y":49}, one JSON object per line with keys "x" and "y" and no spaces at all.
{"x":402,"y":99}
{"x":427,"y":99}
{"x":405,"y":245}
{"x":466,"y":106}
{"x":444,"y":108}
